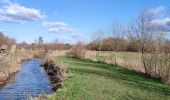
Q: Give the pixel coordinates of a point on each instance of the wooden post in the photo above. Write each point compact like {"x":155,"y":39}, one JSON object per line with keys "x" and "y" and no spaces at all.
{"x":13,"y":48}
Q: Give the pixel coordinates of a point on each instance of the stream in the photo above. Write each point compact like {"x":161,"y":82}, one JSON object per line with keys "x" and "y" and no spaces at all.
{"x":31,"y":80}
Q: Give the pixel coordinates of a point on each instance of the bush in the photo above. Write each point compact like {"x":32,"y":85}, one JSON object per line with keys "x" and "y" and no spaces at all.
{"x":57,"y":73}
{"x":78,"y":51}
{"x":158,"y":66}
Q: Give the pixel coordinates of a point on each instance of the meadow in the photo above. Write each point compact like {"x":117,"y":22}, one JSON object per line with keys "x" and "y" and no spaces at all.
{"x":89,"y":80}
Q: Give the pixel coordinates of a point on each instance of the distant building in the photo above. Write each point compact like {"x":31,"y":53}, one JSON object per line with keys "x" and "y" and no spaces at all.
{"x":3,"y":48}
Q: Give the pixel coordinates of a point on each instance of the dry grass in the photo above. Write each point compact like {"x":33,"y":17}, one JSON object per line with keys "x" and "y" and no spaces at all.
{"x":52,"y":54}
{"x":7,"y":68}
{"x":130,"y":60}
{"x":10,"y":65}
{"x":40,"y":97}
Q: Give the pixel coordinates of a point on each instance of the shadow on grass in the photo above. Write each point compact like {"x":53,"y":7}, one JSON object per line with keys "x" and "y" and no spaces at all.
{"x":113,"y":68}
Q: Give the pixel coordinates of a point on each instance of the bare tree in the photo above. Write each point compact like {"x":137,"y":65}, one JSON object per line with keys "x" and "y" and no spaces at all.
{"x":99,"y":36}
{"x":150,"y":41}
{"x":141,"y":33}
{"x":117,"y":33}
{"x":39,"y":43}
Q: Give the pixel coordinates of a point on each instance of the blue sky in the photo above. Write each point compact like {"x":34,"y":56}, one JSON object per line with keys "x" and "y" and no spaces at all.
{"x":68,"y":20}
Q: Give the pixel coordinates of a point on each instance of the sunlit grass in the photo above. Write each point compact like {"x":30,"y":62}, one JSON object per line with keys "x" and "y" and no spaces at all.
{"x":96,"y":81}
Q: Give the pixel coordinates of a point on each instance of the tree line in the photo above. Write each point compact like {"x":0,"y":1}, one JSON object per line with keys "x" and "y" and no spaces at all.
{"x":5,"y":40}
{"x":144,"y":36}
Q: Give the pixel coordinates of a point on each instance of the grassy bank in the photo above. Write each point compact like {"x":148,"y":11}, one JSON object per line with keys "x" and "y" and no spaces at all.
{"x":96,"y":81}
{"x":10,"y":65}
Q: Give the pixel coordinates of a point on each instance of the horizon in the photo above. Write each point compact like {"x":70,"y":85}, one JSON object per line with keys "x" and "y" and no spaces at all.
{"x":70,"y":21}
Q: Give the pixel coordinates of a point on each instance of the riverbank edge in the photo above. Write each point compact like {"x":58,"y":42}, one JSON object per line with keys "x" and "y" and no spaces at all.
{"x":13,"y":66}
{"x":57,"y":73}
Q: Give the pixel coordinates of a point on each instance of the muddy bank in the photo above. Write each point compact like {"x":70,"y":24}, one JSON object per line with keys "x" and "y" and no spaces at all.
{"x":11,"y":65}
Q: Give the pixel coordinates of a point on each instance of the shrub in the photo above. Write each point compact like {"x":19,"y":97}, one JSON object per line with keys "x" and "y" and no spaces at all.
{"x":158,"y":66}
{"x":57,"y":73}
{"x":78,"y":51}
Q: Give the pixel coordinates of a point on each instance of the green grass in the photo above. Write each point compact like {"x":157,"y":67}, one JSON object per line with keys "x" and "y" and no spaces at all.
{"x":96,"y":81}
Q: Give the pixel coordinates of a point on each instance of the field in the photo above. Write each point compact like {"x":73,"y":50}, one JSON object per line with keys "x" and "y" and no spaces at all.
{"x":90,"y":80}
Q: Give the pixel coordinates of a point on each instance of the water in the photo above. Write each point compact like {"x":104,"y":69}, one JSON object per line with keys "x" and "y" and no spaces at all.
{"x":31,"y":80}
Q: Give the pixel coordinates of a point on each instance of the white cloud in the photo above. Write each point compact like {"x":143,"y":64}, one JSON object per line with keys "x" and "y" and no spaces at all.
{"x":15,"y":13}
{"x":58,"y":27}
{"x":61,"y":30}
{"x":161,"y":24}
{"x":161,"y":20}
{"x":64,"y":28}
{"x":54,"y":24}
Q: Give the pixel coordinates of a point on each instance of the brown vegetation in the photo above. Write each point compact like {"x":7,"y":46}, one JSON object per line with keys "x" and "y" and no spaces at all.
{"x":78,"y":51}
{"x":4,"y":40}
{"x":9,"y":66}
{"x":56,"y":72}
{"x":56,"y":46}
